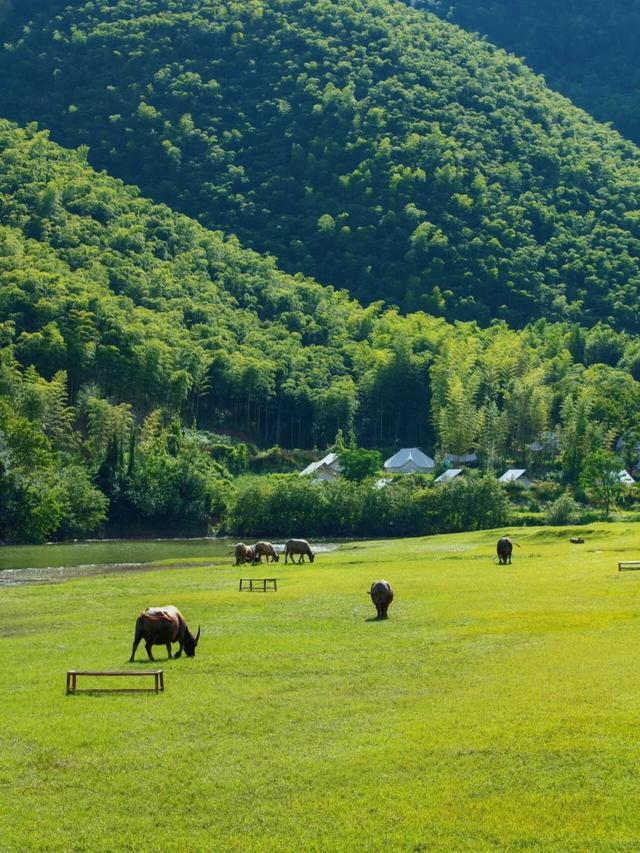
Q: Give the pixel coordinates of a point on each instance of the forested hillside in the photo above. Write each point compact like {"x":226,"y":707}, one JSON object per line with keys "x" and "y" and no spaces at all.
{"x":123,"y":322}
{"x":371,"y":146}
{"x":587,"y":50}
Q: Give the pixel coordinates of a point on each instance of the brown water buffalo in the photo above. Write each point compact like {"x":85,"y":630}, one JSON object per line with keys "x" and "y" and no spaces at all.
{"x":298,"y":546}
{"x":266,"y":550}
{"x":240,"y":552}
{"x":381,"y":595}
{"x":161,"y":626}
{"x":251,"y":556}
{"x":504,"y":549}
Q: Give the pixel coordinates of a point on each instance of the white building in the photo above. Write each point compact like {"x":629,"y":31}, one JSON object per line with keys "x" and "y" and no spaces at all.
{"x":549,"y":444}
{"x":449,"y":475}
{"x":461,"y":459}
{"x":626,"y":478}
{"x":409,"y":460}
{"x":516,"y":475}
{"x":326,"y":468}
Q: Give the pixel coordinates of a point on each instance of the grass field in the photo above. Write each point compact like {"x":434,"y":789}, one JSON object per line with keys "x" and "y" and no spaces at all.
{"x":497,"y":708}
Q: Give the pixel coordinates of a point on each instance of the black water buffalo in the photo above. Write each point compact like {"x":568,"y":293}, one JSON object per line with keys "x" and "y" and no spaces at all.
{"x":382,"y":595}
{"x":161,"y":626}
{"x":266,"y":550}
{"x":504,"y":549}
{"x":298,"y":546}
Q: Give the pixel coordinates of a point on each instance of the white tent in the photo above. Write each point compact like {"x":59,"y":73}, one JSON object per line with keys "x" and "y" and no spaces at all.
{"x":449,"y":475}
{"x":326,"y":468}
{"x":626,"y":478}
{"x":409,"y":460}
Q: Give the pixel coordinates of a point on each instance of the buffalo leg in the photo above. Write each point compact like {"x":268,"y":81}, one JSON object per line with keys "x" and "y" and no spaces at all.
{"x":136,"y":640}
{"x":133,"y":650}
{"x":169,"y":650}
{"x":179,"y":652}
{"x":148,"y":647}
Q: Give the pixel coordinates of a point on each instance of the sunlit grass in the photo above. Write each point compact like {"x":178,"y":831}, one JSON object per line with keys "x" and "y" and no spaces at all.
{"x":497,"y":707}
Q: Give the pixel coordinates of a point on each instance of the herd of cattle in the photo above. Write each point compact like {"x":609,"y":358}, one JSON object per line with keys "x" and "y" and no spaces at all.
{"x":162,"y":626}
{"x":255,"y":553}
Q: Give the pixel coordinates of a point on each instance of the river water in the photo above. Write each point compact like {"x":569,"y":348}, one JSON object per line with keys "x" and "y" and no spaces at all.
{"x":28,"y":564}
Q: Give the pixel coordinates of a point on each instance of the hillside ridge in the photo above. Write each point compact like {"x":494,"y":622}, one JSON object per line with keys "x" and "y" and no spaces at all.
{"x":371,"y":146}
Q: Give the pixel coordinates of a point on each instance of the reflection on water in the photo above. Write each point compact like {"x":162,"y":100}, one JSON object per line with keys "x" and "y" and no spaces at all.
{"x":28,"y":564}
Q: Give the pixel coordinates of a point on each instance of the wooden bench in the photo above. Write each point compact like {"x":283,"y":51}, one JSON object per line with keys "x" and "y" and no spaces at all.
{"x":157,"y":674}
{"x":629,"y":565}
{"x":258,"y":584}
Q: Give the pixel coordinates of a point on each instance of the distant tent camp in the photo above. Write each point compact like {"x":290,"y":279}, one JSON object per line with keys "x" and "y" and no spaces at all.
{"x":448,"y":476}
{"x":326,"y":468}
{"x":626,"y":478}
{"x":515,"y":475}
{"x":409,"y":460}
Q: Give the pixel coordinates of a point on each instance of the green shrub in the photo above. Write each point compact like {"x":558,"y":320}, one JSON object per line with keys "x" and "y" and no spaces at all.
{"x":564,"y":510}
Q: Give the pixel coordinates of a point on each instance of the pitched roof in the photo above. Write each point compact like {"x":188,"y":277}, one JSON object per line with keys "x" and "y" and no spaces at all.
{"x":448,"y":475}
{"x":407,"y":455}
{"x":512,"y":475}
{"x":329,"y":461}
{"x":626,"y":478}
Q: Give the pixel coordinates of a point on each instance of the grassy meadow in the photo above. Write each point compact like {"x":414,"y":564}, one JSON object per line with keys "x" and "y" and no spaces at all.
{"x":497,"y":707}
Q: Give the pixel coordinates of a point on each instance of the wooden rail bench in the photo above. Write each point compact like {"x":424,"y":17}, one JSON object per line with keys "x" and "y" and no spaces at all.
{"x":628,"y":565}
{"x":258,"y":584}
{"x":157,"y":674}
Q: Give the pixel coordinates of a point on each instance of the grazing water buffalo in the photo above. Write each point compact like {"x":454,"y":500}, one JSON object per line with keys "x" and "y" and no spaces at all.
{"x":159,"y":626}
{"x":240,"y":552}
{"x":250,"y":556}
{"x":382,"y":596}
{"x":266,"y":550}
{"x":298,"y":546}
{"x":504,"y":549}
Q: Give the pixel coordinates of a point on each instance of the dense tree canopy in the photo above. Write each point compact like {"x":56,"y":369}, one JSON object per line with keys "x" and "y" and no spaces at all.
{"x":587,"y":50}
{"x":122,"y":324}
{"x":367,"y":144}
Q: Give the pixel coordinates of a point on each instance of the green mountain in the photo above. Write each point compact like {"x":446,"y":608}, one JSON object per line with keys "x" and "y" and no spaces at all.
{"x":587,"y":50}
{"x":123,"y":323}
{"x":156,"y":311}
{"x":368,"y":145}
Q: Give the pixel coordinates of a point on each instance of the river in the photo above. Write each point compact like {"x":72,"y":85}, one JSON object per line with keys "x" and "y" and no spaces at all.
{"x":26,"y":564}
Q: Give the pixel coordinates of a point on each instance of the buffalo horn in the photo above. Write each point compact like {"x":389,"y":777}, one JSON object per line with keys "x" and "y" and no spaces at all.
{"x":198,"y":634}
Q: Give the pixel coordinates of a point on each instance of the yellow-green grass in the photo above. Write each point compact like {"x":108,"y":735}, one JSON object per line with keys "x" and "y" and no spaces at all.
{"x":497,"y":707}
